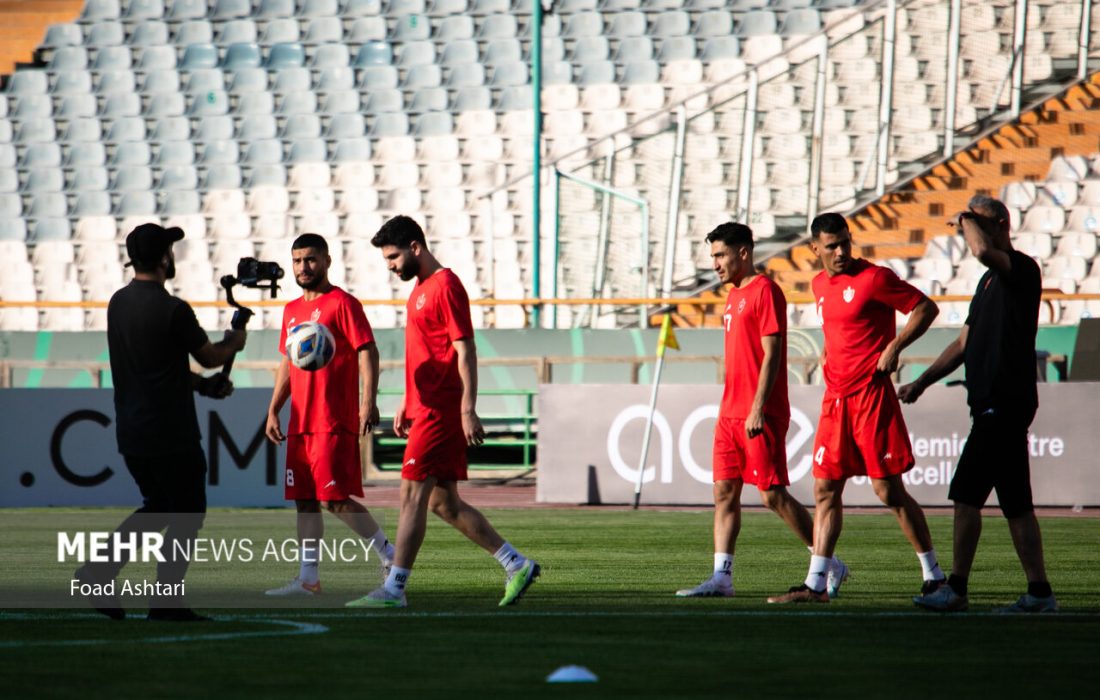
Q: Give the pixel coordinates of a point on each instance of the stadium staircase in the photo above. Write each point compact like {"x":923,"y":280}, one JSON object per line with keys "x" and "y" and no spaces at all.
{"x":23,"y":24}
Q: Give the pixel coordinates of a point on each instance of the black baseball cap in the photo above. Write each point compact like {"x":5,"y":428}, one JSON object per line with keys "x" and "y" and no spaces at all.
{"x":148,"y":243}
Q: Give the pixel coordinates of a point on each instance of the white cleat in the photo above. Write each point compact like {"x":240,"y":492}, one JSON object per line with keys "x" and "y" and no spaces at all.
{"x":297,"y":587}
{"x":837,"y":574}
{"x":707,"y":589}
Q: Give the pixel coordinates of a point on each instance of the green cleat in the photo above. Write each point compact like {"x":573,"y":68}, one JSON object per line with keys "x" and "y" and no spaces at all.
{"x":519,"y":582}
{"x":379,"y":598}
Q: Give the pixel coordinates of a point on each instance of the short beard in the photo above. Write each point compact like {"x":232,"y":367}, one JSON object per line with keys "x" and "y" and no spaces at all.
{"x":312,"y":284}
{"x":410,"y":269}
{"x":170,"y":271}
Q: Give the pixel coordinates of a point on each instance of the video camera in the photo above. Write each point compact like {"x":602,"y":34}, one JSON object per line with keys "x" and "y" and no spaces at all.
{"x":254,"y":274}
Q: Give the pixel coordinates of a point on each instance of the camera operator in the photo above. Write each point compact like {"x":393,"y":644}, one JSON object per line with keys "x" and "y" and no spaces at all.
{"x":997,"y":349}
{"x":150,"y":335}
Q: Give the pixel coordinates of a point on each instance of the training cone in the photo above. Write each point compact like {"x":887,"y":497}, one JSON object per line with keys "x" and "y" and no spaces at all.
{"x":572,"y":674}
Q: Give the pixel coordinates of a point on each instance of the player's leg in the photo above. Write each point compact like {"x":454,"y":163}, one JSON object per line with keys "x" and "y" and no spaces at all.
{"x":357,"y":517}
{"x":727,"y":526}
{"x":446,"y":503}
{"x":891,"y":491}
{"x":310,"y":529}
{"x":779,"y":500}
{"x":185,"y":474}
{"x":337,"y":471}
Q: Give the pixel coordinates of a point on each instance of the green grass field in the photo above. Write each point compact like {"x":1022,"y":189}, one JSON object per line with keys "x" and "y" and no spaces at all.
{"x":605,"y":601}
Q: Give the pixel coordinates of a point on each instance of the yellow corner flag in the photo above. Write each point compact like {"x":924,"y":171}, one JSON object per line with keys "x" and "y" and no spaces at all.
{"x":667,"y":338}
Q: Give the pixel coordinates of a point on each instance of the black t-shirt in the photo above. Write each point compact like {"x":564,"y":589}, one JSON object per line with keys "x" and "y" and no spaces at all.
{"x":1000,"y":345}
{"x":150,"y":335}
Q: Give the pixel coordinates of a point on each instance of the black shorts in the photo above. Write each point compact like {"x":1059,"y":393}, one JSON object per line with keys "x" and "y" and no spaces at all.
{"x":996,"y":457}
{"x":171,"y":483}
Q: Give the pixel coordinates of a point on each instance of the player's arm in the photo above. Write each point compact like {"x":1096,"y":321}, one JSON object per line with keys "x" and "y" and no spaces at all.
{"x":368,"y":370}
{"x":466,"y":352}
{"x":949,"y":360}
{"x":279,"y":395}
{"x":981,"y":244}
{"x":769,"y":370}
{"x":922,"y":316}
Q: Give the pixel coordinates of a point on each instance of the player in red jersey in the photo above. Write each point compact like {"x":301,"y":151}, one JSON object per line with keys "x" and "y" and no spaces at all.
{"x":750,"y":436}
{"x":327,"y":417}
{"x":861,"y":430}
{"x":437,"y":415}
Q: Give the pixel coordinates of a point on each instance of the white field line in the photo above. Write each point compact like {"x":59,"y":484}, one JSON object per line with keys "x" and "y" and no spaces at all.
{"x":289,"y":628}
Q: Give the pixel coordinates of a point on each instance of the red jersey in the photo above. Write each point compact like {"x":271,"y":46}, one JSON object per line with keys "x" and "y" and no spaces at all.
{"x":857,"y":315}
{"x":752,"y":312}
{"x":436,"y":315}
{"x":327,"y":400}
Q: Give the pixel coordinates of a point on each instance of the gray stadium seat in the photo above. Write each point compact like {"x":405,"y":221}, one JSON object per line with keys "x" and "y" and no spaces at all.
{"x":411,"y":28}
{"x":484,"y":7}
{"x":246,"y":80}
{"x":515,"y":98}
{"x":346,"y":126}
{"x":227,"y":151}
{"x":205,"y":80}
{"x":161,"y":82}
{"x":598,"y":72}
{"x":619,"y":5}
{"x":803,"y":21}
{"x":172,"y":129}
{"x":635,"y":48}
{"x":302,"y":126}
{"x":231,"y":9}
{"x":590,"y":49}
{"x":466,"y":74}
{"x":104,"y":34}
{"x":137,"y":203}
{"x":429,"y":100}
{"x":215,"y":128}
{"x":331,"y":55}
{"x":197,"y":31}
{"x":222,"y":176}
{"x":34,"y":131}
{"x":53,"y":229}
{"x":390,"y":124}
{"x":179,"y":177}
{"x":153,"y":33}
{"x":308,"y":151}
{"x":263,"y":151}
{"x":335,"y":78}
{"x":47,"y":205}
{"x":675,"y":23}
{"x":285,"y":55}
{"x":33,"y":107}
{"x":628,"y":24}
{"x":155,"y":58}
{"x":714,"y":23}
{"x":100,"y":10}
{"x":68,"y":58}
{"x":396,"y":8}
{"x":7,"y":155}
{"x":757,"y":23}
{"x":473,"y":98}
{"x":133,"y":178}
{"x":367,"y":29}
{"x":58,"y":35}
{"x":187,"y":9}
{"x":281,"y":31}
{"x":416,"y":53}
{"x":677,"y":48}
{"x":29,"y":82}
{"x":92,"y":203}
{"x":73,"y":106}
{"x":9,"y":179}
{"x":509,"y":75}
{"x":378,"y":77}
{"x":557,"y":73}
{"x":501,"y":51}
{"x":720,"y":47}
{"x":198,"y":56}
{"x":459,"y":51}
{"x":374,"y":53}
{"x":323,"y":30}
{"x":498,"y":27}
{"x":11,"y":206}
{"x":242,"y":55}
{"x":304,"y":102}
{"x":361,"y":7}
{"x":584,"y":24}
{"x":445,"y":8}
{"x":257,"y":126}
{"x":454,"y":28}
{"x":384,"y":100}
{"x":83,"y":130}
{"x":256,"y":103}
{"x":340,"y":102}
{"x":318,"y":8}
{"x":132,"y":153}
{"x":292,"y":80}
{"x":424,"y":77}
{"x":180,"y":202}
{"x":271,"y":9}
{"x":40,"y":155}
{"x":83,"y":154}
{"x":211,"y":103}
{"x":176,"y":153}
{"x":171,"y":104}
{"x":433,"y":124}
{"x":352,"y":150}
{"x":144,"y":9}
{"x":116,"y":81}
{"x":89,"y":178}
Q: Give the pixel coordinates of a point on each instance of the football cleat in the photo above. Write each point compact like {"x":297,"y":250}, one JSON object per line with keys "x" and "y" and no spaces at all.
{"x":837,"y":574}
{"x":711,"y":588}
{"x":1028,"y":603}
{"x":800,"y":594}
{"x":518,"y":583}
{"x":943,"y":599}
{"x":379,"y":598}
{"x":297,"y":587}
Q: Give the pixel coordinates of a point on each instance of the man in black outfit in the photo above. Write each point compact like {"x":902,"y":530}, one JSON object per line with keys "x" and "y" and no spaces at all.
{"x":997,"y":347}
{"x":150,"y":335}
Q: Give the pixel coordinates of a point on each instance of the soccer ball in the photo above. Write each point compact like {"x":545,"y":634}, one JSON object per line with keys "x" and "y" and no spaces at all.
{"x":310,"y":346}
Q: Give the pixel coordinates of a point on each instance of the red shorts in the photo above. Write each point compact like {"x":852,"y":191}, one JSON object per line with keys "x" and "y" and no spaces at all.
{"x":436,"y":447}
{"x":761,"y":461}
{"x":323,"y":466}
{"x":862,"y":433}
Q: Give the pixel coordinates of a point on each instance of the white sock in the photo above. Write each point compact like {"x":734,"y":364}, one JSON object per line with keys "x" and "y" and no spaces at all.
{"x":834,"y":563}
{"x":815,"y":578}
{"x":509,"y":558}
{"x":723,"y":568}
{"x":382,"y":546}
{"x":929,"y":566}
{"x":395,"y":582}
{"x":307,"y":569}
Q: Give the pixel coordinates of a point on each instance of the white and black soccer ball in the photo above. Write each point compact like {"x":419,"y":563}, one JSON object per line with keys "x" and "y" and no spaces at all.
{"x":310,"y":346}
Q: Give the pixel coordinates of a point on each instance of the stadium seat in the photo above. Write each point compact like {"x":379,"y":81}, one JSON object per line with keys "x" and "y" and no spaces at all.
{"x":368,"y":29}
{"x":285,"y":55}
